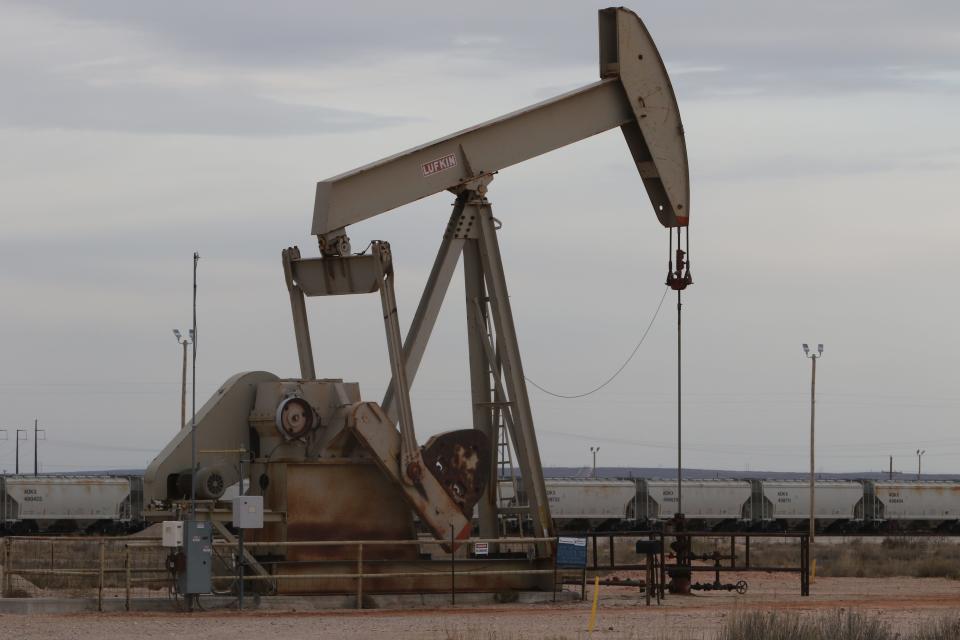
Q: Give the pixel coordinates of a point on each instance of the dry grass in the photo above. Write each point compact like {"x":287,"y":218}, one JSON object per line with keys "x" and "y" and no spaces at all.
{"x":759,"y":625}
{"x":835,"y":625}
{"x":893,"y":557}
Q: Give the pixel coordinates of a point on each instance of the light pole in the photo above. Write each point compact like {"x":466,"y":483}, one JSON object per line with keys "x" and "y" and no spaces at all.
{"x":813,"y":404}
{"x":186,"y":342}
{"x":193,"y":400}
{"x":594,"y":451}
{"x":920,"y":453}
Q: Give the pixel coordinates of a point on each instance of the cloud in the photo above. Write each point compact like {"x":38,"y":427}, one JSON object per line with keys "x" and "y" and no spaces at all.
{"x":70,"y":74}
{"x":770,"y":47}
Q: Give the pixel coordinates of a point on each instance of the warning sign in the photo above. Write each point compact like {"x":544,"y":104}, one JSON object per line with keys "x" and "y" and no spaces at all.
{"x":440,"y":164}
{"x":481,"y":549}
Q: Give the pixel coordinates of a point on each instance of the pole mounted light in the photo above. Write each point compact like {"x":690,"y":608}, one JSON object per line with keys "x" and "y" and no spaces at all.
{"x":920,"y":453}
{"x":813,"y":400}
{"x":594,"y":450}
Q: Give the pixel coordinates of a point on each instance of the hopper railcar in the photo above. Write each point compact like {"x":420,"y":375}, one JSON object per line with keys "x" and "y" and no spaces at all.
{"x":100,"y":504}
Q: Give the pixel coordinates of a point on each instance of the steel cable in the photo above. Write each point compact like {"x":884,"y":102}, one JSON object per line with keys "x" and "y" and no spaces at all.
{"x":618,"y":371}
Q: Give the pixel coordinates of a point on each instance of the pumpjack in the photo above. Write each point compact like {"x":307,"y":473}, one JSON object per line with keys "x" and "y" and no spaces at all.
{"x":332,"y":465}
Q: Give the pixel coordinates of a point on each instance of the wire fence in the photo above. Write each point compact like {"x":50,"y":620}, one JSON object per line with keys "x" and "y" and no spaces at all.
{"x":101,"y":568}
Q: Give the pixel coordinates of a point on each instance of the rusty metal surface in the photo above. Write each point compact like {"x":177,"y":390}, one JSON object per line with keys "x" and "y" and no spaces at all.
{"x":460,"y":461}
{"x":374,"y":429}
{"x":435,"y":580}
{"x":331,"y":501}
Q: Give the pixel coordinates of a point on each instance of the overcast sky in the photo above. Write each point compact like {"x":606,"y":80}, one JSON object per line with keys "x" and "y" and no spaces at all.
{"x":824,"y":155}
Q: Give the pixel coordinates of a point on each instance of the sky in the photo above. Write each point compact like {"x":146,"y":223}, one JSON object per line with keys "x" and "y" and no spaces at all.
{"x":824,"y":157}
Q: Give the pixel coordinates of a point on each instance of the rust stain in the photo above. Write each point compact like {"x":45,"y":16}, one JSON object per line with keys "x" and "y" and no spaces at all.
{"x":460,"y":461}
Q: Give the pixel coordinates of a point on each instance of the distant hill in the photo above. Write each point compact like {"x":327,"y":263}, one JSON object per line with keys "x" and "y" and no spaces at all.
{"x":656,"y":472}
{"x":709,"y":474}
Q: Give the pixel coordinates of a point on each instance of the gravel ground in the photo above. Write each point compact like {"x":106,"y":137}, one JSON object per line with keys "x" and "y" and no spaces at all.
{"x":903,"y":602}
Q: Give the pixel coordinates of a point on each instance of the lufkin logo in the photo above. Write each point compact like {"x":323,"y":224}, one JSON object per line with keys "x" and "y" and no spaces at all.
{"x":440,"y":164}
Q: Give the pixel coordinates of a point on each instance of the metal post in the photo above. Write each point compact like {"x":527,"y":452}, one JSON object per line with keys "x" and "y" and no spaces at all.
{"x":679,"y":406}
{"x":242,"y":563}
{"x":183,"y":389}
{"x":804,"y":566}
{"x":663,"y":566}
{"x":360,"y":575}
{"x":100,"y":582}
{"x":35,"y":455}
{"x":919,"y":459}
{"x":127,"y":566}
{"x":193,"y":393}
{"x":649,"y":578}
{"x":6,"y":567}
{"x":746,"y":555}
{"x":556,"y":545}
{"x":453,"y":568}
{"x":813,"y":400}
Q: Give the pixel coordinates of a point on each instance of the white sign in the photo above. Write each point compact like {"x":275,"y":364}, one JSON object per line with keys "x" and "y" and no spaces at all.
{"x":577,"y":542}
{"x":481,"y":548}
{"x":440,"y":164}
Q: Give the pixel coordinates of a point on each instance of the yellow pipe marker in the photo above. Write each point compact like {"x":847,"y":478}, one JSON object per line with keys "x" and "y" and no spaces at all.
{"x":593,"y":610}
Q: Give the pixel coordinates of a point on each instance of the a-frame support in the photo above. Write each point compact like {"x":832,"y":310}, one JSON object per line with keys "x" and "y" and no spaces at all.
{"x":496,"y":371}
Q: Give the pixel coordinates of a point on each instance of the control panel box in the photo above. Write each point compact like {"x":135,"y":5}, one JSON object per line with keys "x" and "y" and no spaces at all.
{"x":172,"y":533}
{"x":198,"y":557}
{"x":248,"y":512}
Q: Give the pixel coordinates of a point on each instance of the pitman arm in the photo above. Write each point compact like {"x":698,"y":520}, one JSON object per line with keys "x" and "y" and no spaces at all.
{"x":634,"y":94}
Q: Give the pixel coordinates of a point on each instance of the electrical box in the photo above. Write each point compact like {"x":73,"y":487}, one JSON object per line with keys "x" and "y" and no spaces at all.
{"x":248,"y":512}
{"x":198,"y":557}
{"x":172,"y":533}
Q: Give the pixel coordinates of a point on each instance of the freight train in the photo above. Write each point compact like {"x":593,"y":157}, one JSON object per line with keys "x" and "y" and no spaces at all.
{"x":765,"y":505}
{"x":70,"y":504}
{"x":114,"y":504}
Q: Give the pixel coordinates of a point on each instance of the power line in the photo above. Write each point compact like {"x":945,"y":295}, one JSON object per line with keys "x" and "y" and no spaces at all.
{"x":618,"y":371}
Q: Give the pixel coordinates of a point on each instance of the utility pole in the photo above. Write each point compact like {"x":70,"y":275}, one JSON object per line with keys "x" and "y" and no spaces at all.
{"x":594,"y":451}
{"x":813,"y":405}
{"x":920,"y":453}
{"x":24,"y":432}
{"x":36,"y":457}
{"x":891,"y":467}
{"x":186,"y":342}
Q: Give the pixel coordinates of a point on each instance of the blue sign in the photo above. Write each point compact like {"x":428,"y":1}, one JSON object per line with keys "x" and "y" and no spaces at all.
{"x":572,"y":552}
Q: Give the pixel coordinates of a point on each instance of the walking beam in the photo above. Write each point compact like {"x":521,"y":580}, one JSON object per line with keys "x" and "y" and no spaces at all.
{"x":634,"y":94}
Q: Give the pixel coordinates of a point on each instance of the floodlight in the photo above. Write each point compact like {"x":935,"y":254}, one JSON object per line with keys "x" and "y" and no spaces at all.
{"x":820,"y":348}
{"x":191,"y":334}
{"x":176,"y":332}
{"x":806,"y":349}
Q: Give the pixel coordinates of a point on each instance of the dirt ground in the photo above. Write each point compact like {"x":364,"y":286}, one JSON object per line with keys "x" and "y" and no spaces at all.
{"x":903,"y":602}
